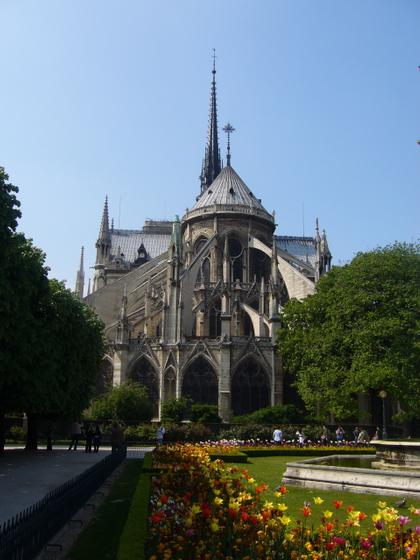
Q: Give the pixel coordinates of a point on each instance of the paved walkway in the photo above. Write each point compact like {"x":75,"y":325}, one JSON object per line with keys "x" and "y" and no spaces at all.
{"x":26,"y":478}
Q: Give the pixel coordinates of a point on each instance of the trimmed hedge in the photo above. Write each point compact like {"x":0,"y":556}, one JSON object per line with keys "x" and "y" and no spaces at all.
{"x":134,"y":536}
{"x":230,"y":457}
{"x":305,"y":452}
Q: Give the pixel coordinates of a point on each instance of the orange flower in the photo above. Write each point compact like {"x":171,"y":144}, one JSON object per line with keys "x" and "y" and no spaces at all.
{"x":329,"y":526}
{"x":337,"y":504}
{"x":261,"y":488}
{"x":362,"y":516}
{"x":306,"y":511}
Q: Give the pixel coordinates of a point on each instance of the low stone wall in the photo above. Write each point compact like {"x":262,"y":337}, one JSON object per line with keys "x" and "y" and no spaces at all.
{"x":310,"y":474}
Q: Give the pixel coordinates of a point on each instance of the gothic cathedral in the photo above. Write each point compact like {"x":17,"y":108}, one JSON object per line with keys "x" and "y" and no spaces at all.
{"x":191,"y":307}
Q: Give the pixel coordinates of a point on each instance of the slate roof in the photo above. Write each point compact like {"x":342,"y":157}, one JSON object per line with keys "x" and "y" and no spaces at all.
{"x":228,"y":189}
{"x":129,"y":241}
{"x":302,"y":248}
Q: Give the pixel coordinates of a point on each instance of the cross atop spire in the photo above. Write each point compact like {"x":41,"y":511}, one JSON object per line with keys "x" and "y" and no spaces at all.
{"x":211,"y":164}
{"x":228,"y":129}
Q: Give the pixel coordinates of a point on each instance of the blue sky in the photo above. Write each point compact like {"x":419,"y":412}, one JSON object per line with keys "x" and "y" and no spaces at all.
{"x":102,"y":97}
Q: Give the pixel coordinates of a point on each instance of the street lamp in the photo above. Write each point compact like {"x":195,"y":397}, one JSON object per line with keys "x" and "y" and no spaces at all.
{"x":383,"y":395}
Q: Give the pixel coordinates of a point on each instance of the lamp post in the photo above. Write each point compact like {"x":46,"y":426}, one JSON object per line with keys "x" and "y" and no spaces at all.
{"x":383,"y":395}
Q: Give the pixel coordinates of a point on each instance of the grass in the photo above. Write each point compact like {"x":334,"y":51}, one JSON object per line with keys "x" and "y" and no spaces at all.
{"x":270,"y":471}
{"x":101,"y":537}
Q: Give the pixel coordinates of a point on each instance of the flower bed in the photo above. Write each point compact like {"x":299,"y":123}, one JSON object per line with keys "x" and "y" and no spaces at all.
{"x":205,"y":510}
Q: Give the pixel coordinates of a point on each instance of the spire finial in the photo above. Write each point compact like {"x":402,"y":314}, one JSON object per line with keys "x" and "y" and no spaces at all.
{"x":80,"y":277}
{"x":228,"y":129}
{"x":104,"y":229}
{"x":211,"y":165}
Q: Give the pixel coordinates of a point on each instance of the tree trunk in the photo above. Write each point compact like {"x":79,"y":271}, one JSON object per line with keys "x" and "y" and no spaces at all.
{"x":32,"y":435}
{"x":2,"y":430}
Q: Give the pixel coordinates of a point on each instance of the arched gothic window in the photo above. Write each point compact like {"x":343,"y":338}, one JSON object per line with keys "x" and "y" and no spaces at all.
{"x":144,"y":373}
{"x":170,"y":384}
{"x":235,"y":254}
{"x":200,"y":382}
{"x":250,"y":388}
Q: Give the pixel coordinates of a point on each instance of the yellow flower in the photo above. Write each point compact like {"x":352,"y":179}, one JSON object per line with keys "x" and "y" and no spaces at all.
{"x":214,"y":525}
{"x":281,"y":507}
{"x":382,"y":505}
{"x":327,"y":514}
{"x":308,"y":545}
{"x":195,"y":509}
{"x":318,"y":501}
{"x":251,"y":480}
{"x":218,"y":501}
{"x":268,"y":505}
{"x":216,"y":492}
{"x":285,"y":520}
{"x":376,"y":517}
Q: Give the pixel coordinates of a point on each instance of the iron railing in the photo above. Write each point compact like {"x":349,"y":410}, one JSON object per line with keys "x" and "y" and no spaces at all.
{"x":24,"y":535}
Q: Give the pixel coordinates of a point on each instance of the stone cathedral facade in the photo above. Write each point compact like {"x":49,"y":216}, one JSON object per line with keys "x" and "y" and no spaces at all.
{"x":191,"y":307}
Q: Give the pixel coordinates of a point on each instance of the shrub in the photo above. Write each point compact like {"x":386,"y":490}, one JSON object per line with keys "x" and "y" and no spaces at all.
{"x":187,"y":432}
{"x":279,"y":414}
{"x":205,"y":413}
{"x":129,"y":403}
{"x":17,"y":433}
{"x":176,"y":410}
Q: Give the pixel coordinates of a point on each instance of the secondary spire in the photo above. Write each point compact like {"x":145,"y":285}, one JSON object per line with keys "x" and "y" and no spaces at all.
{"x":211,"y":164}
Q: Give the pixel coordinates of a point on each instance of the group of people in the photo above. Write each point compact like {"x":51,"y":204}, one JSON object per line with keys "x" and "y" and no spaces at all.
{"x":360,"y":436}
{"x":92,"y":437}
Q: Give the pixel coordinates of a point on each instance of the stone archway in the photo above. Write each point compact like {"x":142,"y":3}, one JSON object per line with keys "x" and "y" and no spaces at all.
{"x":200,"y":382}
{"x":144,"y":373}
{"x":250,"y":388}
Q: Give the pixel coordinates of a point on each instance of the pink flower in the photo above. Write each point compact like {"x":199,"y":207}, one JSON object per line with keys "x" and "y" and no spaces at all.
{"x":189,"y":532}
{"x":339,"y":540}
{"x":417,"y":529}
{"x":365,"y":543}
{"x":403,"y":520}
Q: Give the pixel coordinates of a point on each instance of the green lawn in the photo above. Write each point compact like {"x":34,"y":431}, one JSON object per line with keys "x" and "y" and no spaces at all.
{"x":101,"y":537}
{"x":270,"y":470}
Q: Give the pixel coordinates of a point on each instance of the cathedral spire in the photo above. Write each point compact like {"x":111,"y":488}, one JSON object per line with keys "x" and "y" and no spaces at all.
{"x":80,"y":278}
{"x":104,"y":228}
{"x":211,"y":164}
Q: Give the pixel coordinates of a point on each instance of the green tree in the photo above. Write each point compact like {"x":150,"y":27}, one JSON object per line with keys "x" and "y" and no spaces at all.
{"x":358,"y":334}
{"x":129,"y":403}
{"x":51,"y":344}
{"x":176,"y":410}
{"x":23,"y":289}
{"x":70,"y":347}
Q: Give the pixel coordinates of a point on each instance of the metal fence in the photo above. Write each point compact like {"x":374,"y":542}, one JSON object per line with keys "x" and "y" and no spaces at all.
{"x":23,"y":536}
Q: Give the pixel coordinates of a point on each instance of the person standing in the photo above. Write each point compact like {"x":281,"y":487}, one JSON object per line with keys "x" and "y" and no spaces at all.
{"x":76,"y":434}
{"x":160,"y":433}
{"x":97,"y":438}
{"x":356,"y":433}
{"x":89,"y":438}
{"x":277,"y":435}
{"x":339,"y":435}
{"x":325,"y":436}
{"x":117,"y":438}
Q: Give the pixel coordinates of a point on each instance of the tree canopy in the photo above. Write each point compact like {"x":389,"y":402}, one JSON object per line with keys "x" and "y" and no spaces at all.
{"x":51,"y":343}
{"x":359,"y":333}
{"x":128,"y":403}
